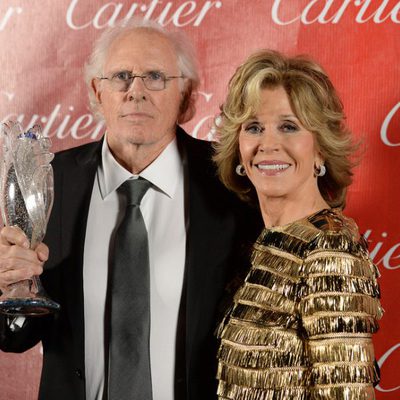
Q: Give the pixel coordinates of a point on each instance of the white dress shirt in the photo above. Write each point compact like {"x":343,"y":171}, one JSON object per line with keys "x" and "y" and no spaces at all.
{"x":163,"y":213}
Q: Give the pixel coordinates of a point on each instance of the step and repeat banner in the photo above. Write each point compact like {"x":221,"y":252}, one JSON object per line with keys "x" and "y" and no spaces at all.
{"x":44,"y":44}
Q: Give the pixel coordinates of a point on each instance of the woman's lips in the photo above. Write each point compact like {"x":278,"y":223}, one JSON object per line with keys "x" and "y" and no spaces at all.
{"x":271,"y":168}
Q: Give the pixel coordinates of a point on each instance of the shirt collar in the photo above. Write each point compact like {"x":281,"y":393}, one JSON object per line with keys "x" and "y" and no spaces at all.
{"x":164,"y":172}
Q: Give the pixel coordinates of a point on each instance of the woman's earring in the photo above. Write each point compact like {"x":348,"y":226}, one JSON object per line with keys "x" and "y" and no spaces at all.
{"x":240,"y":170}
{"x":320,"y":171}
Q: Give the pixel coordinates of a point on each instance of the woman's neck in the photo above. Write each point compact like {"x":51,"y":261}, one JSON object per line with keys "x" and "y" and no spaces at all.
{"x":281,"y":211}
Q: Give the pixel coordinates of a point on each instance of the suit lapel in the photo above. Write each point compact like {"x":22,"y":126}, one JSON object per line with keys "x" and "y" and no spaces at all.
{"x":75,"y":186}
{"x":209,"y":244}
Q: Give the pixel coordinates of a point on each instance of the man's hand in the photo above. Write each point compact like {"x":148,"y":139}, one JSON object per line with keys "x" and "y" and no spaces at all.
{"x":17,"y":260}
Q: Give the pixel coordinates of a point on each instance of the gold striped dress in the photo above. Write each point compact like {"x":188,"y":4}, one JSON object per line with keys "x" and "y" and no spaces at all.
{"x":301,"y":324}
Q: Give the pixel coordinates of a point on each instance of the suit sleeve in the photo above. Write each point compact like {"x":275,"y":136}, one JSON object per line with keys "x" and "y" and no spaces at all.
{"x":24,"y":337}
{"x":339,"y":309}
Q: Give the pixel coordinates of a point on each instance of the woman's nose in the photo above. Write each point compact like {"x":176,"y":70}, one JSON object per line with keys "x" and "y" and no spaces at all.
{"x":269,"y":141}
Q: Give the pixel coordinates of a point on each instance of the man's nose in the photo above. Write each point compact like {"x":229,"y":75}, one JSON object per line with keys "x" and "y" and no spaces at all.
{"x":137,"y":89}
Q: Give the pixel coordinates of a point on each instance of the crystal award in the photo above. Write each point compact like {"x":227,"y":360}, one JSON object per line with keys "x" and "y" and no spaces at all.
{"x":26,"y":199}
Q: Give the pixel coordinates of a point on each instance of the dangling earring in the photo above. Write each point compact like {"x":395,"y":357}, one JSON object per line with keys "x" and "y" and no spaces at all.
{"x":320,"y":171}
{"x":240,"y":170}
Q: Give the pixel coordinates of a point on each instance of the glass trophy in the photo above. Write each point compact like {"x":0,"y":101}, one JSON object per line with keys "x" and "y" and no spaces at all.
{"x":26,"y":199}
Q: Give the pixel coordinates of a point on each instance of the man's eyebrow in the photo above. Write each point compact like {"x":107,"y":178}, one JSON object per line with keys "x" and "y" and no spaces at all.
{"x":144,"y":70}
{"x":114,"y":70}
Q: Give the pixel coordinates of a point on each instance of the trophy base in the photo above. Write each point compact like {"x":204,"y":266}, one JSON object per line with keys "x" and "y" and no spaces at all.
{"x":27,"y":298}
{"x":27,"y":306}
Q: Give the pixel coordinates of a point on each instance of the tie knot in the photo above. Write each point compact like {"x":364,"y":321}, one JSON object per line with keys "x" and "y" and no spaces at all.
{"x":134,"y":190}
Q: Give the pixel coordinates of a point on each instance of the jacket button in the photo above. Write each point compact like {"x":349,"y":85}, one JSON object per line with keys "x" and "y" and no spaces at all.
{"x":179,"y":381}
{"x":78,"y":373}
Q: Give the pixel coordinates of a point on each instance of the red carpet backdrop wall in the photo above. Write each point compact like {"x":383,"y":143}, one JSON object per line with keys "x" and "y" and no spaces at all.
{"x":44,"y":43}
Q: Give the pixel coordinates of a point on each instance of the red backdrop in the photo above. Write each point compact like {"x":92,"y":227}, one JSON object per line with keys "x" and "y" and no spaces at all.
{"x":44,"y":44}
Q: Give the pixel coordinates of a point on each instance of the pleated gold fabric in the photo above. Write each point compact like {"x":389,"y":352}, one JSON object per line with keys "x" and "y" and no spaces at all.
{"x":301,"y":323}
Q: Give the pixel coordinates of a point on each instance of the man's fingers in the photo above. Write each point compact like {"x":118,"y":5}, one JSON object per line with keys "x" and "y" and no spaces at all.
{"x":17,"y":261}
{"x":42,"y":252}
{"x":16,"y":275}
{"x":18,"y":271}
{"x":10,"y":235}
{"x":15,"y":254}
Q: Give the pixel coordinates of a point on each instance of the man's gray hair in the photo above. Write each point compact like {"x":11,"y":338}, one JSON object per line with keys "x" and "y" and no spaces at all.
{"x":187,"y":62}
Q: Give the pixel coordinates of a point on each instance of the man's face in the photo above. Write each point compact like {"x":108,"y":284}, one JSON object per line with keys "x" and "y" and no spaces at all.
{"x":139,"y":116}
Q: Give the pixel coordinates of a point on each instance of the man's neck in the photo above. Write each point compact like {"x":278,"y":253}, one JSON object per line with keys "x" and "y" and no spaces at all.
{"x":136,"y":157}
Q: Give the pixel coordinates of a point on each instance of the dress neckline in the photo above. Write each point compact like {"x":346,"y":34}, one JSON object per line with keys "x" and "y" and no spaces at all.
{"x":307,"y":218}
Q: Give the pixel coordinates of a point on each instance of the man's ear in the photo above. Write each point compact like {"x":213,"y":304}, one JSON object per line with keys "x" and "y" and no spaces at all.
{"x":96,"y":85}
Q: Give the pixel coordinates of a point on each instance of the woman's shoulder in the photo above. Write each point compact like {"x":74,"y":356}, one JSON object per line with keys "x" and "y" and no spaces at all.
{"x":333,"y":221}
{"x":327,"y":230}
{"x":337,"y":232}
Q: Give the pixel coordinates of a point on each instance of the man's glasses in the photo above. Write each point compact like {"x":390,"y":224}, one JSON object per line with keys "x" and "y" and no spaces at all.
{"x":153,"y":80}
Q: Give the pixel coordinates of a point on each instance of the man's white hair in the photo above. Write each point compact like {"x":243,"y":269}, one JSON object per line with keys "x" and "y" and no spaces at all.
{"x":187,"y":62}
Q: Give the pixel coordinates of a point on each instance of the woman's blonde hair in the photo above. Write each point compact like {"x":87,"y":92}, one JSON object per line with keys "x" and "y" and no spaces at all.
{"x":315,"y":103}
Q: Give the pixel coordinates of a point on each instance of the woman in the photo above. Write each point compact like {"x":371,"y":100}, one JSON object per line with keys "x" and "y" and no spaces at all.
{"x":301,"y":323}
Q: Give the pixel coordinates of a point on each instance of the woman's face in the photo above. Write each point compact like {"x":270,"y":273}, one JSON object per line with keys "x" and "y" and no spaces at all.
{"x":277,"y":152}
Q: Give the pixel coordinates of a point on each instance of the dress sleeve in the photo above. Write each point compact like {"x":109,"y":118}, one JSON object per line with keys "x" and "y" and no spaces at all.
{"x":339,"y":307}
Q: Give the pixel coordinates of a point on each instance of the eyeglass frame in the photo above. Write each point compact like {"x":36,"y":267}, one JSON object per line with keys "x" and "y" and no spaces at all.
{"x":142,"y":77}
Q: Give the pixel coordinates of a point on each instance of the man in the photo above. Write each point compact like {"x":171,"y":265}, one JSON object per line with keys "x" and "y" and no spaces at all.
{"x":143,"y":81}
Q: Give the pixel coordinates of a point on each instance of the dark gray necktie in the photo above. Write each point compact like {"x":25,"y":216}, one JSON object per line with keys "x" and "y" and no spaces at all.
{"x":129,"y":368}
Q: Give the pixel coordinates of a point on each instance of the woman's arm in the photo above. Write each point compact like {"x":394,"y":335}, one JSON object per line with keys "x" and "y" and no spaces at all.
{"x":339,"y":309}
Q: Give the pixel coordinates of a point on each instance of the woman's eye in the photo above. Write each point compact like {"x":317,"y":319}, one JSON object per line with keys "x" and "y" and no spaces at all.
{"x":289,"y":127}
{"x":254,"y":128}
{"x":122,"y":76}
{"x":155,"y":76}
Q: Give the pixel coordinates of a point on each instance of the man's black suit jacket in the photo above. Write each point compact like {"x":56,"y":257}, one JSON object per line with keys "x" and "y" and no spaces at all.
{"x":218,"y":227}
